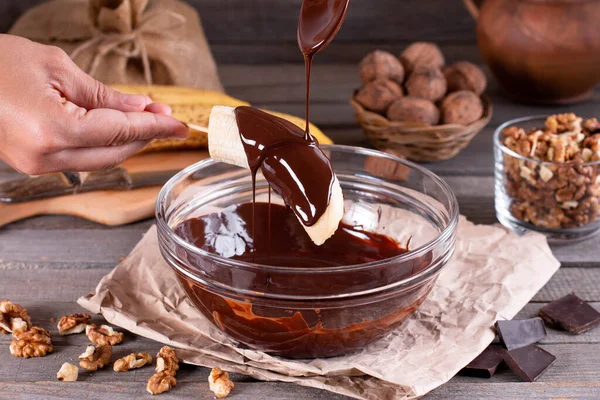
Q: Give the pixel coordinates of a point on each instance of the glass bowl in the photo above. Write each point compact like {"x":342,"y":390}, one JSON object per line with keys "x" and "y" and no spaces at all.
{"x":560,"y":200}
{"x":310,"y":312}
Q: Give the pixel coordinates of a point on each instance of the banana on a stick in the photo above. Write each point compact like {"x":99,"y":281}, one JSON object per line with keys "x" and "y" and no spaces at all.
{"x":225,"y":145}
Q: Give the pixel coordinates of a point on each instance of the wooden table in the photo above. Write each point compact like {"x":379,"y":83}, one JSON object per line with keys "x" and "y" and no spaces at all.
{"x":46,"y":263}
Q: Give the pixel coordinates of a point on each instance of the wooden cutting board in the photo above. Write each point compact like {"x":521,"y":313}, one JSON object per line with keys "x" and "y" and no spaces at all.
{"x":108,"y":207}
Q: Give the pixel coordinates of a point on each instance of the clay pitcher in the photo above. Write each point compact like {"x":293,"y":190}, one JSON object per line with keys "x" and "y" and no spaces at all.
{"x":541,"y":51}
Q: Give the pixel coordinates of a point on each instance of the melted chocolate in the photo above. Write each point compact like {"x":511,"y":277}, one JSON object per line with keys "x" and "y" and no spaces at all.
{"x":297,"y":169}
{"x":290,"y":159}
{"x":228,"y":234}
{"x":291,"y":328}
{"x":319,"y":22}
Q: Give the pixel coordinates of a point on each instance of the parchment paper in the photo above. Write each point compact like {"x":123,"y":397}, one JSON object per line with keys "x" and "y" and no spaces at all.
{"x":491,"y":276}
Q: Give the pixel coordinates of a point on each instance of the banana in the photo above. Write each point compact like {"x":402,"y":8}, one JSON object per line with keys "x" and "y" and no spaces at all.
{"x":193,"y":106}
{"x":225,"y":145}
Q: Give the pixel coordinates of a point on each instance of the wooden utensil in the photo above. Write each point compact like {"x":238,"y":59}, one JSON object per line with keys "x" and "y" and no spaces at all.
{"x":109,"y":207}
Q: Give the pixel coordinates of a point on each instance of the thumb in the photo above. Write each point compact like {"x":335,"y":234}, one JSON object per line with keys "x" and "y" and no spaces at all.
{"x":89,"y":93}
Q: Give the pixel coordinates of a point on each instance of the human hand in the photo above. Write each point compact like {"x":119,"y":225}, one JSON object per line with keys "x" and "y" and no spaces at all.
{"x":55,"y":117}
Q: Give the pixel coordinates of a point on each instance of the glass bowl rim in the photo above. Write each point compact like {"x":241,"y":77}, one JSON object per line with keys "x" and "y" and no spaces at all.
{"x":443,"y":236}
{"x":498,"y":143}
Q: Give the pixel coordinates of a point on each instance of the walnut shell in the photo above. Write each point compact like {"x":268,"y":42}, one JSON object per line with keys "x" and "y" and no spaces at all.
{"x":426,"y":82}
{"x":378,"y":95}
{"x":412,"y":109}
{"x":381,"y":65}
{"x":462,"y":107}
{"x":422,"y":53}
{"x":464,"y":75}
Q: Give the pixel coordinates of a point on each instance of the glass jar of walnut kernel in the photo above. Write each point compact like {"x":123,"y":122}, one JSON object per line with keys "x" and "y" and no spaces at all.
{"x":547,"y":176}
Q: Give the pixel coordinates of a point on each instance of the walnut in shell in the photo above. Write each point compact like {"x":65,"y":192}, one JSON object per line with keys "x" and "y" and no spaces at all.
{"x":413,"y":109}
{"x":426,"y":82}
{"x":13,"y":318}
{"x":74,"y":323}
{"x":462,"y":107}
{"x":464,"y":75}
{"x":35,"y":342}
{"x":68,"y":373}
{"x":422,"y":53}
{"x":103,"y":334}
{"x":95,"y":357}
{"x":219,"y":383}
{"x":378,"y":95}
{"x":132,"y":361}
{"x":167,"y":365}
{"x":381,"y":65}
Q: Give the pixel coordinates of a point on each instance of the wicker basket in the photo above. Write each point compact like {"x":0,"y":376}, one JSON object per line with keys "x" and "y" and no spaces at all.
{"x":420,"y":142}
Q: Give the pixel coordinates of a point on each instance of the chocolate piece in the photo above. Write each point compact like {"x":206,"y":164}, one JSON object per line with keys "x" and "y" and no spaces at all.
{"x":485,"y":365}
{"x":520,"y":333}
{"x":571,"y":314}
{"x":529,"y":362}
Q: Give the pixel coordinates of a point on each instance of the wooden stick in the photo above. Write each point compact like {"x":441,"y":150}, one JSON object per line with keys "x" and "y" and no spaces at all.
{"x":196,"y":127}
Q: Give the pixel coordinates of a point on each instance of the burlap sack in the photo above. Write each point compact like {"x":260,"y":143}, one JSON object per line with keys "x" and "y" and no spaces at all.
{"x":127,"y":41}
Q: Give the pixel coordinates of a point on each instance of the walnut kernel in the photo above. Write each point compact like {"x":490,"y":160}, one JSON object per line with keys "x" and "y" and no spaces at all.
{"x":219,"y":383}
{"x":103,"y":334}
{"x":74,"y":323}
{"x":68,"y":373}
{"x":132,"y":361}
{"x":160,"y":382}
{"x":426,"y":82}
{"x":381,"y":65}
{"x":35,"y":342}
{"x":413,"y":109}
{"x":13,"y":318}
{"x":167,"y":365}
{"x":561,"y":195}
{"x":422,"y":53}
{"x":95,"y":357}
{"x":378,"y":95}
{"x":464,"y":75}
{"x":462,"y":107}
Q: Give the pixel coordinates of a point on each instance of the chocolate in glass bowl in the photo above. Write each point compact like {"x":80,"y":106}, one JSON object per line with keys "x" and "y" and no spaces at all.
{"x":308,"y":310}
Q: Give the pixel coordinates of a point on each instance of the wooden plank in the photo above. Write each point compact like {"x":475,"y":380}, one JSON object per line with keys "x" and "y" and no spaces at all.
{"x":266,"y":390}
{"x":585,"y":282}
{"x":75,"y":245}
{"x":457,"y":390}
{"x":576,"y":364}
{"x":268,"y":21}
{"x":128,"y":391}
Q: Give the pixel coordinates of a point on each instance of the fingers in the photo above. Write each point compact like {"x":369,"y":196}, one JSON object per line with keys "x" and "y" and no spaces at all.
{"x":105,"y":127}
{"x":85,"y":91}
{"x":159,"y":108}
{"x":93,"y":159}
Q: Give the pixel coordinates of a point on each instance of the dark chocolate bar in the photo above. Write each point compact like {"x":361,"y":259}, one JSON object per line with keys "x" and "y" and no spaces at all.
{"x":570,"y":313}
{"x":529,"y":362}
{"x":485,"y":365}
{"x":520,"y":333}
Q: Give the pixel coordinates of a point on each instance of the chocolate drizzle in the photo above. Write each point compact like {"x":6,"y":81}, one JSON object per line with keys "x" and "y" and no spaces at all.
{"x":319,"y":22}
{"x":295,"y":168}
{"x":290,"y":159}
